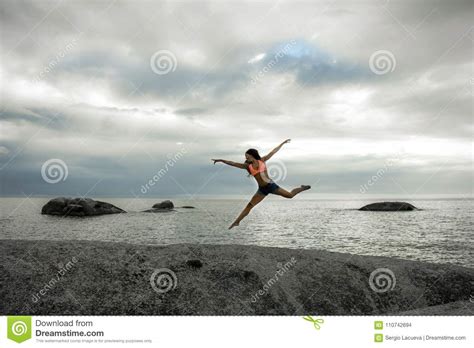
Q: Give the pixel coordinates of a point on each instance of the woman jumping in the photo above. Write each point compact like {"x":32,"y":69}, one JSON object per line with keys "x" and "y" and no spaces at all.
{"x":256,"y":167}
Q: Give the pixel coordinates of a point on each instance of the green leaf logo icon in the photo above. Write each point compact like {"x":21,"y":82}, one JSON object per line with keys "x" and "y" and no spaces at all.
{"x":19,"y":328}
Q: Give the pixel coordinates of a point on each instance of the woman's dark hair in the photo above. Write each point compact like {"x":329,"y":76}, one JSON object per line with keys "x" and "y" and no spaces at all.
{"x":254,"y":153}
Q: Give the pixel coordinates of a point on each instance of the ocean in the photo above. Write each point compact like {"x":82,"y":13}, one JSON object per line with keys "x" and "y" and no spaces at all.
{"x":442,"y":232}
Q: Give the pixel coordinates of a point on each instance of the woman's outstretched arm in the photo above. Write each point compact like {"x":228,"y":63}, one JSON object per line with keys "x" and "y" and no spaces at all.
{"x":275,"y":150}
{"x":230,"y":163}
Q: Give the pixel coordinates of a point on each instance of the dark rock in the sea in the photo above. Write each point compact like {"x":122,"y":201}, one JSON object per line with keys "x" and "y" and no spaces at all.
{"x":79,"y":207}
{"x":74,"y":210}
{"x":164,"y":205}
{"x":187,"y":207}
{"x":194,"y":263}
{"x":389,"y":206}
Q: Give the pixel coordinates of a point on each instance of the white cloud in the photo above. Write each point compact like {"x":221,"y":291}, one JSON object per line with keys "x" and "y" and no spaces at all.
{"x":257,"y":58}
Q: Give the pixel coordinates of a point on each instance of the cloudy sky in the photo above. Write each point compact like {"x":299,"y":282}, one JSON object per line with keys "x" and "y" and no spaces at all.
{"x":106,"y":97}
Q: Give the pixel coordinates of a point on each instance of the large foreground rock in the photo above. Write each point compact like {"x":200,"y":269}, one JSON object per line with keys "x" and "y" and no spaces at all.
{"x":451,"y":308}
{"x":79,"y":207}
{"x":114,"y":279}
{"x":389,"y":206}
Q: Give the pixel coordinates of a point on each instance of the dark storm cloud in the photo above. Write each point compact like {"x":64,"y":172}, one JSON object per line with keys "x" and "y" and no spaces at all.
{"x":127,"y":73}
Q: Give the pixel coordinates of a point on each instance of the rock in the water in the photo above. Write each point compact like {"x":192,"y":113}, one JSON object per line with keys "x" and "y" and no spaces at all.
{"x":161,"y":207}
{"x":79,"y":207}
{"x":187,"y":207}
{"x":389,"y":206}
{"x":164,"y":205}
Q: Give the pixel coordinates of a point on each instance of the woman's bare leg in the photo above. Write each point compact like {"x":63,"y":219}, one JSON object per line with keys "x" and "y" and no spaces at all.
{"x":257,"y":198}
{"x":284,"y":193}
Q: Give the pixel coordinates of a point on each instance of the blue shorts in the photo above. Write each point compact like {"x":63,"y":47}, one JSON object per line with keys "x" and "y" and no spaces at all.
{"x":268,"y":188}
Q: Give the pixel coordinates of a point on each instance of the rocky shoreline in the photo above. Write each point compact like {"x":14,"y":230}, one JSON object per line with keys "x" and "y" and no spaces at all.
{"x":101,"y":278}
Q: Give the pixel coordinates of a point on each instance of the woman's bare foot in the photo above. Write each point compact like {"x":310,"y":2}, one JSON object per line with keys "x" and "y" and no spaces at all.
{"x":305,"y":187}
{"x":233,"y":225}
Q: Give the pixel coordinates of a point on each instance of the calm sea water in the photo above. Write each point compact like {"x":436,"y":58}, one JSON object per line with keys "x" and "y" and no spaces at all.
{"x":442,"y":232}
